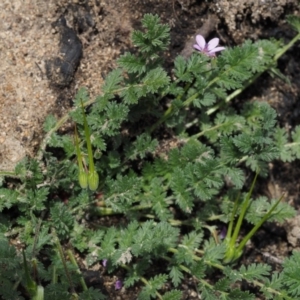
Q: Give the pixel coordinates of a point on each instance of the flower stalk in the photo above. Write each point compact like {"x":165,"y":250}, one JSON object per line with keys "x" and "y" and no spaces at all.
{"x":234,"y":251}
{"x":93,"y":177}
{"x":82,"y":174}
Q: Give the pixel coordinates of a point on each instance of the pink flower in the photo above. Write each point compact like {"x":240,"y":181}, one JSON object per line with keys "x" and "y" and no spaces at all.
{"x":209,"y":48}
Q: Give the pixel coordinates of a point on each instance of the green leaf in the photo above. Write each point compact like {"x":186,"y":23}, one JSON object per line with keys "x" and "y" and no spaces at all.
{"x":223,"y":284}
{"x":291,"y":276}
{"x":157,"y":198}
{"x":179,"y":184}
{"x":8,"y":257}
{"x":112,"y":82}
{"x":294,"y":21}
{"x":237,"y":294}
{"x":208,"y":99}
{"x":207,"y":293}
{"x":57,"y":291}
{"x":155,"y":38}
{"x":229,"y":152}
{"x":154,"y":239}
{"x":281,"y":140}
{"x":122,"y":192}
{"x":181,"y":71}
{"x":214,"y":253}
{"x":55,"y":141}
{"x":7,"y":198}
{"x":114,"y":159}
{"x":255,"y":271}
{"x":49,"y":123}
{"x":68,"y":145}
{"x":156,"y":79}
{"x":172,"y":295}
{"x":152,"y":286}
{"x":198,"y":269}
{"x":260,"y":207}
{"x":127,"y":235}
{"x":143,"y":145}
{"x":239,"y":63}
{"x":275,"y":283}
{"x":136,"y":271}
{"x":235,"y":176}
{"x":192,"y":240}
{"x":295,"y":145}
{"x":176,"y":276}
{"x":9,"y":292}
{"x":132,"y":94}
{"x":115,"y":114}
{"x":36,"y":198}
{"x":132,"y":63}
{"x":62,"y":220}
{"x":108,"y":246}
{"x":82,"y":95}
{"x":91,"y":294}
{"x":198,"y":65}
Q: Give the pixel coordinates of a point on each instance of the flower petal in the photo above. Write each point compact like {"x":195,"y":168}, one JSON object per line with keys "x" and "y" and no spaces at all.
{"x":211,"y":54}
{"x":196,"y":46}
{"x":212,"y":44}
{"x":200,"y":41}
{"x":216,"y":49}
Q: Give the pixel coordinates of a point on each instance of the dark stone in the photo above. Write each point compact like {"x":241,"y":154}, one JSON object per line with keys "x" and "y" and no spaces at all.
{"x":61,"y":69}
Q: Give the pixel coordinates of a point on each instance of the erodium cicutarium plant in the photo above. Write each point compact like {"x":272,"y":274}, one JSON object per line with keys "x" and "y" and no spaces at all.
{"x":174,"y":163}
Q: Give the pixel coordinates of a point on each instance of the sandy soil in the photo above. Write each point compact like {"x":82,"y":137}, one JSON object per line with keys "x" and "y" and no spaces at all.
{"x":27,"y":41}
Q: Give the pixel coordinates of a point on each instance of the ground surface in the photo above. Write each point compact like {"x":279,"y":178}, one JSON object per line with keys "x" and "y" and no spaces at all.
{"x":28,"y":40}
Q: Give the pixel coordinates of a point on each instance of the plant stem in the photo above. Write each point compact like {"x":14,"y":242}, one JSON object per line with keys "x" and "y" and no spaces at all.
{"x":257,"y":226}
{"x":232,"y":253}
{"x":73,"y":261}
{"x":63,"y":259}
{"x":230,"y":227}
{"x":287,"y":47}
{"x":88,"y":141}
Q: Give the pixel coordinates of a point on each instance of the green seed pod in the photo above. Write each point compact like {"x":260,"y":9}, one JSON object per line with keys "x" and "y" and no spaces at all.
{"x":93,"y":180}
{"x":83,"y":179}
{"x":39,"y":293}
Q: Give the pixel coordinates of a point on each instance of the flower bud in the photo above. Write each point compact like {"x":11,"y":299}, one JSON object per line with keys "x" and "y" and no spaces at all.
{"x":118,"y":284}
{"x":93,"y":180}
